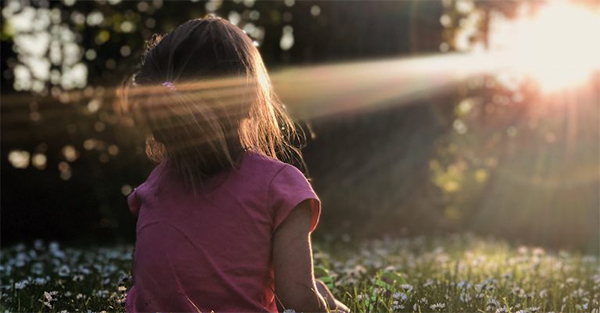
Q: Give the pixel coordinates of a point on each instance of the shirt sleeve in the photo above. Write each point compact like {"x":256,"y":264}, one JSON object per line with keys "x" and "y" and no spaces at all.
{"x":287,"y":190}
{"x":134,"y":203}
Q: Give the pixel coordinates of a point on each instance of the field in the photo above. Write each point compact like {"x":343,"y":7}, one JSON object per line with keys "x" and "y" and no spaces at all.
{"x":454,"y":274}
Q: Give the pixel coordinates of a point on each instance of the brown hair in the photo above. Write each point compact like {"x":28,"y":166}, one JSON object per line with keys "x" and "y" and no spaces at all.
{"x":204,"y":96}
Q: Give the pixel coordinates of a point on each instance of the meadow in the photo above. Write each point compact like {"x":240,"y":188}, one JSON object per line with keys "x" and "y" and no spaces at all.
{"x":459,"y":273}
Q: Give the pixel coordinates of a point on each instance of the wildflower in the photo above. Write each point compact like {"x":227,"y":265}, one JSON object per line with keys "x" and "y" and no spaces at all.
{"x":589,"y":259}
{"x":124,"y":277}
{"x":64,"y":271}
{"x":48,"y":304}
{"x":502,"y":310}
{"x":390,"y":268}
{"x":437,"y":306}
{"x":48,"y":296}
{"x":396,"y":306}
{"x":478,"y":261}
{"x":523,"y":250}
{"x":37,"y":268}
{"x":479,"y":287}
{"x":21,"y":284}
{"x":38,"y":244}
{"x":400,"y":296}
{"x":122,"y":289}
{"x":102,"y":293}
{"x":579,"y":293}
{"x":571,"y":280}
{"x":465,"y":297}
{"x":358,"y":270}
{"x":519,"y":292}
{"x":56,"y":252}
{"x":539,"y":252}
{"x":79,"y":296}
{"x":83,"y":270}
{"x":289,"y":311}
{"x":20,"y":261}
{"x":53,"y":246}
{"x":40,"y":281}
{"x":77,"y":277}
{"x":492,"y":303}
{"x":406,"y":287}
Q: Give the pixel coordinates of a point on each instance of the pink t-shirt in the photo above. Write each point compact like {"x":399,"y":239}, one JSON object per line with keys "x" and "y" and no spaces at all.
{"x":212,"y":250}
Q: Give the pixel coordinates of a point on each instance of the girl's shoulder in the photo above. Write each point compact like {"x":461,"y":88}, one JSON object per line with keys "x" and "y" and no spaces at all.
{"x":265,"y":169}
{"x":272,"y":171}
{"x":260,"y":162}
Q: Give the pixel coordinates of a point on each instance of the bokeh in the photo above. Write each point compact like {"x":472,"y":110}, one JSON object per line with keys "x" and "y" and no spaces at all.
{"x":423,"y":117}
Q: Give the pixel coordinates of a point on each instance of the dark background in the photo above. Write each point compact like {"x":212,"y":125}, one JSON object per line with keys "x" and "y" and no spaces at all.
{"x":378,"y":172}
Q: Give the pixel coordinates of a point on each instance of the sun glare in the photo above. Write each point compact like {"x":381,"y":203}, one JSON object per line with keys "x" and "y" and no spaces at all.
{"x":559,"y":46}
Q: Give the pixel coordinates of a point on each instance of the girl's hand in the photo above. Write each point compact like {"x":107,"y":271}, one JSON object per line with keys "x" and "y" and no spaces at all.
{"x":333,"y":304}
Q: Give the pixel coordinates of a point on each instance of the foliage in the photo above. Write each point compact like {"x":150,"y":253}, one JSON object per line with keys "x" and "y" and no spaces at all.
{"x":491,"y":155}
{"x":514,"y":152}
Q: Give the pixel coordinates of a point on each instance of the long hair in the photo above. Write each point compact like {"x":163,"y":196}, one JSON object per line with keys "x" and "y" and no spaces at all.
{"x":203,"y":95}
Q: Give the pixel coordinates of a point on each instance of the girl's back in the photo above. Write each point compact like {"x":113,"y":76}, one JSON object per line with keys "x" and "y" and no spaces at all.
{"x":212,"y":250}
{"x":222,"y":224}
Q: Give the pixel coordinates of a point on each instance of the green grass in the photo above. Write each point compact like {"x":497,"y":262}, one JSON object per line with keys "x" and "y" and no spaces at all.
{"x":454,"y":274}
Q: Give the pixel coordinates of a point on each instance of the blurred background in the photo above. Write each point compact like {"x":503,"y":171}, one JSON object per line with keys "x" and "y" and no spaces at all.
{"x":424,"y":117}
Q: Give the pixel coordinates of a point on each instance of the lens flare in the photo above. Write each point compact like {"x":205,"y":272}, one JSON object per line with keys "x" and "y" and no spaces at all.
{"x":559,"y":46}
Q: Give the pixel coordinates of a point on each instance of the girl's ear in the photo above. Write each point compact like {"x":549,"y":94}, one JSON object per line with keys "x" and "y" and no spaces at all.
{"x":155,"y":150}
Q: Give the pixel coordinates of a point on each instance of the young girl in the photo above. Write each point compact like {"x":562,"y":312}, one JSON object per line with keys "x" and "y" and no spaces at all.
{"x":223,"y":225}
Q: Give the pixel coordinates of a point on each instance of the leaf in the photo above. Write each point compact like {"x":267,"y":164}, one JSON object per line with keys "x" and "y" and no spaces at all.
{"x":322,"y":274}
{"x":320,"y":271}
{"x":393,"y":278}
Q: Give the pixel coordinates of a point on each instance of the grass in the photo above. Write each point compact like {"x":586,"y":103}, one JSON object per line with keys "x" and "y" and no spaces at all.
{"x":453,"y":274}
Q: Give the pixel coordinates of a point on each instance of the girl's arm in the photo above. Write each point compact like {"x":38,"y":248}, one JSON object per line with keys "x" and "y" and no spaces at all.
{"x":292,"y":260}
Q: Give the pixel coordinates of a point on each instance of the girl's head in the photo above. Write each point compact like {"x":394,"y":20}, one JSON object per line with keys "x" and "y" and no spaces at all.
{"x":204,"y":96}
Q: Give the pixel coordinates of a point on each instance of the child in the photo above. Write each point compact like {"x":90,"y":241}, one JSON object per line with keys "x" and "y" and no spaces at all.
{"x":222,"y":224}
